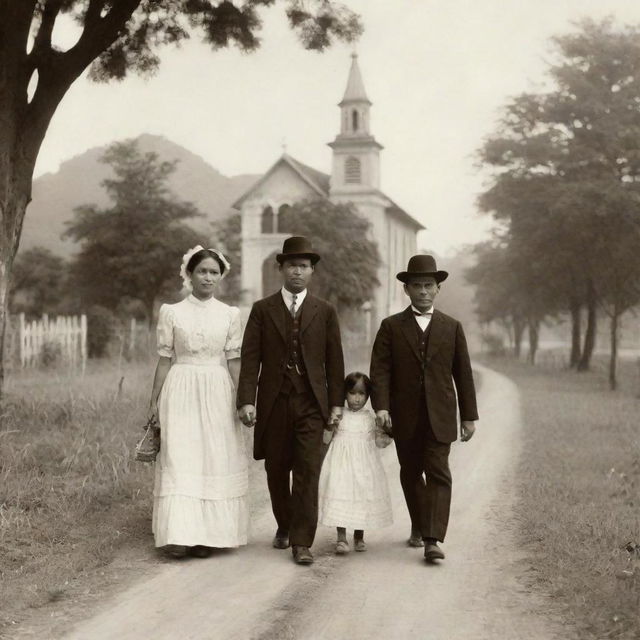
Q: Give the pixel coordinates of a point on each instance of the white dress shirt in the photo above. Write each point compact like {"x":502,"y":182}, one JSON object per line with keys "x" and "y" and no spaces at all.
{"x":423,"y":319}
{"x":287,"y":296}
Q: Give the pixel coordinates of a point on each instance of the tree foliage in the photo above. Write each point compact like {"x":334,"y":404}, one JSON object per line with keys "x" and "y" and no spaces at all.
{"x":565,"y":170}
{"x":227,"y":238}
{"x":40,"y":283}
{"x":346,"y":275}
{"x":133,"y":248}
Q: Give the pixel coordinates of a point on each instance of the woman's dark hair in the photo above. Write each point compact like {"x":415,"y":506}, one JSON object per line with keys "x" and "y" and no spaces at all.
{"x":352,"y":380}
{"x":201,"y":255}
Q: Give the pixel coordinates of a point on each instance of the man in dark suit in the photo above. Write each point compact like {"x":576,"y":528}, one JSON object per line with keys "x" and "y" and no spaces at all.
{"x":292,"y":357}
{"x":417,"y":356}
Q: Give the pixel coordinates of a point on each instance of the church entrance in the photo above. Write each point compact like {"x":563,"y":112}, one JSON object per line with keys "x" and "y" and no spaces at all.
{"x":271,"y":280}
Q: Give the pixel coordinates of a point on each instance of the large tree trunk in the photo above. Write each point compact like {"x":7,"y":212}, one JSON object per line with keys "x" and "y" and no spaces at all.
{"x":590,"y":334}
{"x":576,"y":331}
{"x":534,"y":335}
{"x":613,"y":356}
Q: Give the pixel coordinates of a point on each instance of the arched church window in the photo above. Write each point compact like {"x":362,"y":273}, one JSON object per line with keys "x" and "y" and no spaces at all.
{"x":354,"y":120}
{"x":268,"y":220}
{"x":352,"y":172}
{"x":284,"y":219}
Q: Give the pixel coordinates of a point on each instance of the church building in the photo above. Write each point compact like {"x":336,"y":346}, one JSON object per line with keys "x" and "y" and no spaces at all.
{"x":355,"y":178}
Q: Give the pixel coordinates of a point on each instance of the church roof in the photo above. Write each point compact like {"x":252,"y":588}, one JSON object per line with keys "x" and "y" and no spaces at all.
{"x":317,"y":180}
{"x":355,"y":91}
{"x":397,"y":211}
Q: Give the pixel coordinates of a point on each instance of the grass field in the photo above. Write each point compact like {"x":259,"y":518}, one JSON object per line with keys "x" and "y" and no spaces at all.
{"x":579,"y":489}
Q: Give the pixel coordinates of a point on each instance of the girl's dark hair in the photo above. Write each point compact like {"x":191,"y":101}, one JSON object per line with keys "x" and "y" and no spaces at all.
{"x":201,"y":255}
{"x":352,"y":380}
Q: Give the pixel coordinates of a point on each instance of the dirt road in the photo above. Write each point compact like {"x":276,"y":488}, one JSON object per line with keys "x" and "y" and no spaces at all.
{"x":387,"y":592}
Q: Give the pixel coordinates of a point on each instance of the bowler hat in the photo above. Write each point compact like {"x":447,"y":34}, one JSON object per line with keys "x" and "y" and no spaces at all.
{"x":422,"y":265}
{"x":297,"y":247}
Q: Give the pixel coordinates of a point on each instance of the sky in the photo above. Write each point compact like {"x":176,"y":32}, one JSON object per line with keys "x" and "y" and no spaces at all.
{"x":437,"y":71}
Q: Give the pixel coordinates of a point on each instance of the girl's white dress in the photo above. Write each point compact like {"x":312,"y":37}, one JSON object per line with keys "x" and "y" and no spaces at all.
{"x":353,"y":491}
{"x":201,"y":483}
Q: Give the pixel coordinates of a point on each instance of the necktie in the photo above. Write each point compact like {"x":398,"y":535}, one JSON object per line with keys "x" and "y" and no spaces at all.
{"x":292,"y":308}
{"x":426,"y":314}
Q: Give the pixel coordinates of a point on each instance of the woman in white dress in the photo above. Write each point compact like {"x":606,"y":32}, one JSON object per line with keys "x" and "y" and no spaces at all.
{"x":201,"y":483}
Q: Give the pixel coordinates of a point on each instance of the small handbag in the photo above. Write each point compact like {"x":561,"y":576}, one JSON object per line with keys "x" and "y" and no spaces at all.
{"x":149,"y":445}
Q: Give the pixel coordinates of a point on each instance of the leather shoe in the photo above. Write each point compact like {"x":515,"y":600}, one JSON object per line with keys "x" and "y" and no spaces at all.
{"x":415,"y":540}
{"x":302,"y":555}
{"x":433,"y":552}
{"x":281,"y":540}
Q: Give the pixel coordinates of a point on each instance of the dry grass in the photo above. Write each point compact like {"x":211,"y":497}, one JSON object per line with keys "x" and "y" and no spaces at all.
{"x":70,"y":493}
{"x":579,"y":484}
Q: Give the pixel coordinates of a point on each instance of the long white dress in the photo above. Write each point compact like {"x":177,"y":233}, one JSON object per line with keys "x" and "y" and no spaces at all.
{"x":353,"y":491}
{"x":201,"y":482}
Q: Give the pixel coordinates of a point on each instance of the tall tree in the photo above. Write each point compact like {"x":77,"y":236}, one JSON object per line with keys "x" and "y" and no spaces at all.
{"x":566,"y":161}
{"x":131,"y":249}
{"x":227,"y":238}
{"x":347,"y":274}
{"x":115,"y":37}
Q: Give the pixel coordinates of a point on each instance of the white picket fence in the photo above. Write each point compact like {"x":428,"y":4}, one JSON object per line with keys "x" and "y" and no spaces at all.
{"x":68,"y":334}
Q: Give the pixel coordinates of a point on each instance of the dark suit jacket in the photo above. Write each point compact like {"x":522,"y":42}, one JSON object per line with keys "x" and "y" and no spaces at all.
{"x":396,"y":370}
{"x":264,"y":358}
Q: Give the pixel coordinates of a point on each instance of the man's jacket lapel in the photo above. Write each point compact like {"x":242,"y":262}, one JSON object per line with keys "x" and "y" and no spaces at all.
{"x":276,"y":312}
{"x":409,"y":329}
{"x":436,"y":333}
{"x":309,"y":310}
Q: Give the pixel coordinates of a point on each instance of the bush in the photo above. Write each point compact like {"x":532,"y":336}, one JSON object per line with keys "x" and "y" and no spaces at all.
{"x":102,"y":327}
{"x":493,"y":344}
{"x":51,"y":353}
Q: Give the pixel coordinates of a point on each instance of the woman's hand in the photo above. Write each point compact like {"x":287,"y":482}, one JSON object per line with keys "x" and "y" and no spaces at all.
{"x":152,"y":412}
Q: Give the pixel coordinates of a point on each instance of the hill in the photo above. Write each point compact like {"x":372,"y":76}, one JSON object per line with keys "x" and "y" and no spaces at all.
{"x":77,"y":182}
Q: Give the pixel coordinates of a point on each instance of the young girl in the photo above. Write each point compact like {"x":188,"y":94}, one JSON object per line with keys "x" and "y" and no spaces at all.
{"x":353,"y":490}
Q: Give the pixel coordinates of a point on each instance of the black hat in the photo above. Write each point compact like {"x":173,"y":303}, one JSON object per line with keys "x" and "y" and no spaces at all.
{"x":297,"y":247}
{"x":422,"y":265}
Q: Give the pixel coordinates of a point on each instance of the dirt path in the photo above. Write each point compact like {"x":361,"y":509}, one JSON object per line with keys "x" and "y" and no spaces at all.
{"x":388,"y":592}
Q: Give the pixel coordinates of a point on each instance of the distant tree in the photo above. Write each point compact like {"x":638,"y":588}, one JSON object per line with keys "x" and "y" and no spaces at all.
{"x":133,"y":248}
{"x":346,"y":275}
{"x":227,"y":238}
{"x":40,"y":282}
{"x":115,"y":37}
{"x":565,"y":162}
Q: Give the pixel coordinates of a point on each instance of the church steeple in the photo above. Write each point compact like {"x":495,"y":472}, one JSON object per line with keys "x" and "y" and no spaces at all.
{"x":356,"y":163}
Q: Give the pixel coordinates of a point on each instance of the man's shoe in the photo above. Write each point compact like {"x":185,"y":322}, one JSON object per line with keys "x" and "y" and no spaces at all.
{"x":433,"y":552}
{"x":302,"y":555}
{"x":415,"y":540}
{"x":281,"y":540}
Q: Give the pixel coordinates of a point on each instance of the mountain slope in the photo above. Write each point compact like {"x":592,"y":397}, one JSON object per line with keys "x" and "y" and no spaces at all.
{"x":77,"y":182}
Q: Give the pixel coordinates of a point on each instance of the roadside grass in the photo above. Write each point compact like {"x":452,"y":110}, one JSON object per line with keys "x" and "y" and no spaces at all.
{"x":71,"y":495}
{"x":579,"y":492}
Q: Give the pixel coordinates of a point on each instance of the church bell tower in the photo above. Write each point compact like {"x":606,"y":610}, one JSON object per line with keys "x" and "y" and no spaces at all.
{"x":356,"y":153}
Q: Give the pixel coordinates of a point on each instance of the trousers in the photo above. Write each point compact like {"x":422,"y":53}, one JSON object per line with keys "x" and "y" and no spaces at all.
{"x":293,"y":457}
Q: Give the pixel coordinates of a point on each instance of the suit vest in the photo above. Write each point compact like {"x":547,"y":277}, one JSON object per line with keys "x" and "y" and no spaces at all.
{"x":423,"y":345}
{"x":296,"y":375}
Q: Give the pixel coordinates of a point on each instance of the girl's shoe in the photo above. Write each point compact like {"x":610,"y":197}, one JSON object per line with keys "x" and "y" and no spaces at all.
{"x":359,"y":545}
{"x":200,"y":551}
{"x":342,"y":547}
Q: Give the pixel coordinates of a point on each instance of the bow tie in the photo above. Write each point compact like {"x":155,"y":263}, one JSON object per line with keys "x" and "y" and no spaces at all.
{"x":426,"y":314}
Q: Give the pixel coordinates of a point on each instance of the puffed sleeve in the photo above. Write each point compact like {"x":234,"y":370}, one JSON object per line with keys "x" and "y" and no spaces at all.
{"x":234,"y":335}
{"x":164,"y":332}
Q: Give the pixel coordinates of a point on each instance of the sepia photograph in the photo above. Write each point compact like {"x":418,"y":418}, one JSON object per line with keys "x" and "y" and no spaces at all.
{"x":319,"y":319}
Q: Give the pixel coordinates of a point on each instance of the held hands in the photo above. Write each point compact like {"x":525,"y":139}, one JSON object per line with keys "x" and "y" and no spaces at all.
{"x":467,"y":429}
{"x":247,"y":415}
{"x":383,"y":421}
{"x":334,"y":418}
